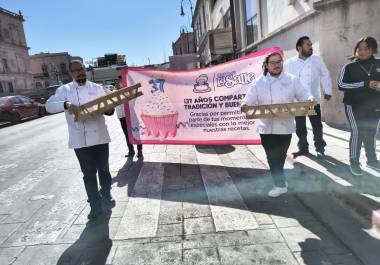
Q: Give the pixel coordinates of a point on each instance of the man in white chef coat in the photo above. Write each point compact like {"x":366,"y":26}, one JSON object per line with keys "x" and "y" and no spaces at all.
{"x":311,"y":70}
{"x":88,"y":138}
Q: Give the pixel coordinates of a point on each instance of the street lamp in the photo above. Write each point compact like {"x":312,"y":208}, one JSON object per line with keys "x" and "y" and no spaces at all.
{"x":191,"y":8}
{"x":192,"y":14}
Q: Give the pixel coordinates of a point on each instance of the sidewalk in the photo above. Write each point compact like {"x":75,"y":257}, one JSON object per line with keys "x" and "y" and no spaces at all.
{"x":180,"y":205}
{"x":332,"y":178}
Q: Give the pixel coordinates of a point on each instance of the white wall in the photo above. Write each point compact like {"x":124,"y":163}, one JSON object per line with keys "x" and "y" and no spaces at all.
{"x":276,"y":13}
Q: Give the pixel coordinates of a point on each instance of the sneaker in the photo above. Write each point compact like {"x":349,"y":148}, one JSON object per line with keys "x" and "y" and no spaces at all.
{"x":374,"y":165}
{"x":356,"y":170}
{"x":320,"y":154}
{"x":139,"y":154}
{"x":277,"y":191}
{"x":95,"y":213}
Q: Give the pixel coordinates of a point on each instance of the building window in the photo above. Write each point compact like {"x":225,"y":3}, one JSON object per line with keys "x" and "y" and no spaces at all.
{"x":5,"y":65}
{"x":251,"y":21}
{"x":44,"y":68}
{"x":46,"y":84}
{"x":227,"y":19}
{"x":10,"y":86}
{"x":204,"y":18}
{"x":63,"y":68}
{"x":38,"y":85}
{"x":1,"y":88}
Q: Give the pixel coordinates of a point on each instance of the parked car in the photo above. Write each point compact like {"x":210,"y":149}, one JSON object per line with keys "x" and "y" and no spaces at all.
{"x":16,"y":108}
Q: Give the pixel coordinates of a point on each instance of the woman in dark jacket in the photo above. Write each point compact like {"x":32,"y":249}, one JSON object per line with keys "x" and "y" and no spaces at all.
{"x":360,"y":81}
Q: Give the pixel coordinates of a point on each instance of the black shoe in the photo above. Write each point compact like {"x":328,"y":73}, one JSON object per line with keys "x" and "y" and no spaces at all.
{"x":301,"y":153}
{"x":374,"y":165}
{"x":356,"y":170}
{"x":95,"y":213}
{"x":139,"y":154}
{"x":320,"y":154}
{"x":130,"y":154}
{"x":107,"y":201}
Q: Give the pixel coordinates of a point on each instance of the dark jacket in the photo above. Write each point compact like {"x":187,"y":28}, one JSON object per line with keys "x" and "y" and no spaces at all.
{"x":354,"y":81}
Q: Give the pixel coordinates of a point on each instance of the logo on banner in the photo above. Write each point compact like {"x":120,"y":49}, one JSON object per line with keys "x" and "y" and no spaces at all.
{"x":231,"y":79}
{"x":201,"y":84}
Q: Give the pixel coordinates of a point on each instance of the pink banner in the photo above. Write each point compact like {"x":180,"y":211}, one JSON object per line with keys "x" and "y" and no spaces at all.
{"x":200,"y":106}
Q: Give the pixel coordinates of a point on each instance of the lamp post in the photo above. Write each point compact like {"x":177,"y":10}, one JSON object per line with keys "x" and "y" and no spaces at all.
{"x":233,"y":26}
{"x":192,"y":15}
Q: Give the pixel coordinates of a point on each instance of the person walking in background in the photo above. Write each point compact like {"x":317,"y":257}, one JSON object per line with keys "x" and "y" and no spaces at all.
{"x":275,"y":87}
{"x":310,"y":69}
{"x":121,"y":116}
{"x":359,"y":80}
{"x":89,"y":138}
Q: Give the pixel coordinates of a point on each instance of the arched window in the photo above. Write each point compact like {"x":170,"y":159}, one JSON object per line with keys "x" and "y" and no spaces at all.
{"x":63,"y":68}
{"x":44,"y":68}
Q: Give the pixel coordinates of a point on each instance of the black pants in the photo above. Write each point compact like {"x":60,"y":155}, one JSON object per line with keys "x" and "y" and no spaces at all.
{"x":363,"y":123}
{"x":316,"y":123}
{"x":276,"y":147}
{"x":125,"y":130}
{"x":92,"y":160}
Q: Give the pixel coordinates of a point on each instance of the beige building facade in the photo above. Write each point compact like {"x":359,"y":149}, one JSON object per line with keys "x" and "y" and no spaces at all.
{"x":15,"y":69}
{"x":334,"y":26}
{"x":51,"y":69}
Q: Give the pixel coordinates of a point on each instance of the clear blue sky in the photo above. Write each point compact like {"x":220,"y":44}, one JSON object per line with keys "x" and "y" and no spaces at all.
{"x":139,"y":29}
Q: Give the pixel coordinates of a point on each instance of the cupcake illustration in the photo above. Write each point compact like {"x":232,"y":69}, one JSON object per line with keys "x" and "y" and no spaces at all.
{"x":159,"y":116}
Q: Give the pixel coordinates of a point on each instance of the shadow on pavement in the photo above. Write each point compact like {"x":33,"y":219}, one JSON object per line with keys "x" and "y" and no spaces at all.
{"x":222,"y":149}
{"x":92,"y":247}
{"x":128,"y":174}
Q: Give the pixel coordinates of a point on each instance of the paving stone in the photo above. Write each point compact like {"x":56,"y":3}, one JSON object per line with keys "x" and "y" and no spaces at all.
{"x":216,"y":239}
{"x":229,"y":211}
{"x":171,"y":209}
{"x":194,"y":210}
{"x":205,"y":256}
{"x":265,"y":236}
{"x":170,"y":230}
{"x":9,"y":255}
{"x":199,"y":225}
{"x":142,"y":213}
{"x":284,"y":221}
{"x":262,"y":218}
{"x":149,"y":254}
{"x":47,"y":255}
{"x":271,"y":254}
{"x":3,"y":217}
{"x":300,"y":238}
{"x":6,"y":230}
{"x":119,"y":209}
{"x":172,"y":170}
{"x":24,"y":212}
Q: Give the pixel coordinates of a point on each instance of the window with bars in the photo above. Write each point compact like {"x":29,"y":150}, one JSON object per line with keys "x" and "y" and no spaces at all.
{"x":251,"y":21}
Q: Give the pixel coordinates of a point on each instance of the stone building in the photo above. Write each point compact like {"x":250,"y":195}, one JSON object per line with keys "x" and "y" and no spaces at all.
{"x":51,"y":69}
{"x":15,"y":70}
{"x":184,"y":52}
{"x":334,"y":26}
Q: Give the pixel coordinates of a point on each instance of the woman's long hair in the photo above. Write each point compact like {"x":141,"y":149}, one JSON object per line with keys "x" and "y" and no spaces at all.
{"x":265,"y":63}
{"x":371,"y":43}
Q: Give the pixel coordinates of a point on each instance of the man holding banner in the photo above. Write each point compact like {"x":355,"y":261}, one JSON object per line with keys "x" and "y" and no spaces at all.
{"x":275,"y":87}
